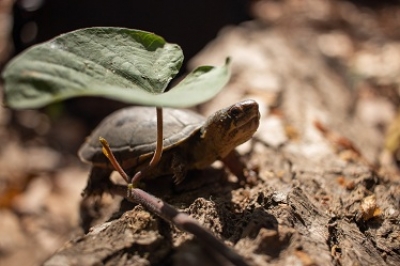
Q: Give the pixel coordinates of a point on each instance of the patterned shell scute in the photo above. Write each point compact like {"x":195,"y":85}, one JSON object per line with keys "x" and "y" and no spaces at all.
{"x":131,"y":132}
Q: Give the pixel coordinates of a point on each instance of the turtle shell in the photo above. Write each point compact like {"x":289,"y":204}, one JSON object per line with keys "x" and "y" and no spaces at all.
{"x":131,"y":133}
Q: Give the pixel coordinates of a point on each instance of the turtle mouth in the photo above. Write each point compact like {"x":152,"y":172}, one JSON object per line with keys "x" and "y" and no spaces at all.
{"x":250,"y":125}
{"x":245,"y":115}
{"x":233,"y":126}
{"x":245,"y":130}
{"x":245,"y":121}
{"x":240,"y":132}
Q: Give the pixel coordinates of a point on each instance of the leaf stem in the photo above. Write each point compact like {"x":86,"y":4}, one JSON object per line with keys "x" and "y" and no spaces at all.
{"x":157,"y":153}
{"x":159,"y":144}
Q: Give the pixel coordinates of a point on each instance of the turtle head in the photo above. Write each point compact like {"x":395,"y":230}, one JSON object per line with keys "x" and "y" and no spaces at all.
{"x":231,"y":126}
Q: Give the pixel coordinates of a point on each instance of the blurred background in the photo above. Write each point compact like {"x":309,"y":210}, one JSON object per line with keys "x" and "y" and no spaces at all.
{"x":191,"y":24}
{"x":357,"y":40}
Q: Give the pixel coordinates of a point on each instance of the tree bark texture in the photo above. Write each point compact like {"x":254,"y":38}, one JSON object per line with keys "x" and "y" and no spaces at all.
{"x":317,"y":195}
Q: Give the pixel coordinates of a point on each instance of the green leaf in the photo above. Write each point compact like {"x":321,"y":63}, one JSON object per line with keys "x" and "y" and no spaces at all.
{"x":199,"y":86}
{"x":123,"y":64}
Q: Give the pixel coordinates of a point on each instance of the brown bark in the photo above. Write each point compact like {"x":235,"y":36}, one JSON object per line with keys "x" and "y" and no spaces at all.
{"x":317,"y":197}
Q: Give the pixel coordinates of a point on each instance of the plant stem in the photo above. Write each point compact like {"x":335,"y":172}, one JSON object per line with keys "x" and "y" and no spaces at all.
{"x":110,"y":155}
{"x":159,"y":148}
{"x":169,"y":213}
{"x":159,"y":144}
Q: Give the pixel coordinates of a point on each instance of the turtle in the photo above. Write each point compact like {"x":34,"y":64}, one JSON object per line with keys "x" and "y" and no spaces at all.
{"x":190,"y":141}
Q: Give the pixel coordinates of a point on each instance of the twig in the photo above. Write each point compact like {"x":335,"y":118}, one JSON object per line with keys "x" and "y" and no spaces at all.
{"x":180,"y":220}
{"x":170,"y":214}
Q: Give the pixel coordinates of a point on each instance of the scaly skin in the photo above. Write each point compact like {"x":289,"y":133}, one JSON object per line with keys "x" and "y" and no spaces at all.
{"x":214,"y":140}
{"x":224,"y":131}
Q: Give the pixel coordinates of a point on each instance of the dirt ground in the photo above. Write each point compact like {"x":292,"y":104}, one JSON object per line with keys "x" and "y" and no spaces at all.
{"x":325,"y":184}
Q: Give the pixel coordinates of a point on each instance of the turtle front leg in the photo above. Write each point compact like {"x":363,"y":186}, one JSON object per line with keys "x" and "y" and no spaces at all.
{"x":179,"y":168}
{"x":90,"y":206}
{"x":236,"y":166}
{"x":98,"y":182}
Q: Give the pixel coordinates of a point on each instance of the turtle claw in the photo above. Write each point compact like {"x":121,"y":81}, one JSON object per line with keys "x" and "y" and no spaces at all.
{"x":178,"y":168}
{"x":178,"y":179}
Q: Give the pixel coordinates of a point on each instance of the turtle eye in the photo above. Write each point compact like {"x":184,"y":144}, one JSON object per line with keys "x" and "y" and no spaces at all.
{"x":235,"y":111}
